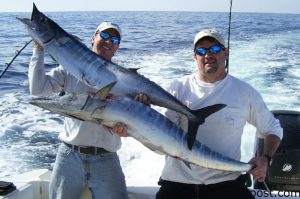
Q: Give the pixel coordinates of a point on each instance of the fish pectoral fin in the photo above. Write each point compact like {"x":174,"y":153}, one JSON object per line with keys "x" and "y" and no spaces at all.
{"x":102,"y":93}
{"x":186,"y":163}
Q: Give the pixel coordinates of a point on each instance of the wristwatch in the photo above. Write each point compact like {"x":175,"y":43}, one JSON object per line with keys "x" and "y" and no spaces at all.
{"x":269,"y":158}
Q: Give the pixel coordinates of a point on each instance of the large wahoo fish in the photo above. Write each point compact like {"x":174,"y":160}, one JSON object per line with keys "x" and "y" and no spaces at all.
{"x":88,"y":67}
{"x":144,"y":124}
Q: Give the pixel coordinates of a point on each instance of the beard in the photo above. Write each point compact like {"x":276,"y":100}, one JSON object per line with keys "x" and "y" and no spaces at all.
{"x":211,"y":68}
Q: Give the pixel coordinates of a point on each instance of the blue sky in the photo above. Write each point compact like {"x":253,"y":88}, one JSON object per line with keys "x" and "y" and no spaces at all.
{"x":265,"y":6}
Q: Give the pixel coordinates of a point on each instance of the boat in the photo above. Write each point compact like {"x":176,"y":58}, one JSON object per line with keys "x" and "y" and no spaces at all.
{"x":34,"y":185}
{"x":283,"y":174}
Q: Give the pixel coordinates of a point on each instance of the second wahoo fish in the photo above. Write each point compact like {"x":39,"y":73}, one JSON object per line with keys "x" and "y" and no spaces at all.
{"x":144,"y":124}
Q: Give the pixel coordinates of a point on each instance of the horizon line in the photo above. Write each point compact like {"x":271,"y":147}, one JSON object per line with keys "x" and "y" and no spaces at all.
{"x":249,"y":12}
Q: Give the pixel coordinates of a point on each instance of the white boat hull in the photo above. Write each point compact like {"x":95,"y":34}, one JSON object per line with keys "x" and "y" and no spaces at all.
{"x":34,"y":185}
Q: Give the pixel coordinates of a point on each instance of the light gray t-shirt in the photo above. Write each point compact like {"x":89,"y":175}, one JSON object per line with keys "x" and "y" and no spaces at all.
{"x":222,"y":131}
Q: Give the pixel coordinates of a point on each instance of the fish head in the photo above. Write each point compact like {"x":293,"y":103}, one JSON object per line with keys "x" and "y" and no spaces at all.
{"x":57,"y":104}
{"x":78,"y":106}
{"x":41,"y":28}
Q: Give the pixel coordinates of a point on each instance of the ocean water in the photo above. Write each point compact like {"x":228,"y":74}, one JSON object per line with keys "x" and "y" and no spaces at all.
{"x":264,"y":51}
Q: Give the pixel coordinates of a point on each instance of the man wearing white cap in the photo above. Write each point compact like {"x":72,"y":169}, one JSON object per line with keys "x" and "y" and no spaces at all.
{"x":106,"y":40}
{"x":87,"y":155}
{"x":222,"y":131}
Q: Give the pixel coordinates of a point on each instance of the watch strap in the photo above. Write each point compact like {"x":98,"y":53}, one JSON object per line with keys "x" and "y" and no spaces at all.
{"x":269,"y":158}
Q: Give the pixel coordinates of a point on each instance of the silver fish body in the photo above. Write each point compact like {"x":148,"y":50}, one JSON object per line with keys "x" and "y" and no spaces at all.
{"x":145,"y":125}
{"x":90,"y":68}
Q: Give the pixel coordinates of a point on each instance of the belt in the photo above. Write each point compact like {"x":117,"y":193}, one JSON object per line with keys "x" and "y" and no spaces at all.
{"x":88,"y":150}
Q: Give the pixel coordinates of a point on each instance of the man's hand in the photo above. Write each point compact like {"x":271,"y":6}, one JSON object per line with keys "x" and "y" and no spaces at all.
{"x":36,"y":44}
{"x":119,"y":129}
{"x":271,"y":144}
{"x":260,"y":171}
{"x":143,"y":99}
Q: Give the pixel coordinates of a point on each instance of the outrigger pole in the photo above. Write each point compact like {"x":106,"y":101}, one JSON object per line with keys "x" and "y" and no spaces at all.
{"x":16,"y":55}
{"x":227,"y":66}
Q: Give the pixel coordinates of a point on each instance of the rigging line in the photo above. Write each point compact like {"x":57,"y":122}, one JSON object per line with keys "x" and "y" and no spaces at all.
{"x":266,"y":186}
{"x":16,"y":55}
{"x":229,"y":30}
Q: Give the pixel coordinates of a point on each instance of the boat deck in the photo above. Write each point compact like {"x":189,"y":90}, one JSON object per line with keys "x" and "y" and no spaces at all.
{"x":34,"y":185}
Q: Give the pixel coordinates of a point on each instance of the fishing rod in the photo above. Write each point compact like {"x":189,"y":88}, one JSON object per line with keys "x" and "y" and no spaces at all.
{"x":227,"y":67}
{"x":228,"y":41}
{"x":16,"y":55}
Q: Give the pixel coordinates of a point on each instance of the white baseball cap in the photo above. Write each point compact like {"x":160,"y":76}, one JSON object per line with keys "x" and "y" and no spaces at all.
{"x":209,"y":33}
{"x":107,"y":25}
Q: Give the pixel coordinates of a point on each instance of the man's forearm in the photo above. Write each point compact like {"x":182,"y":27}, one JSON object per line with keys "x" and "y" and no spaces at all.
{"x":271,"y":145}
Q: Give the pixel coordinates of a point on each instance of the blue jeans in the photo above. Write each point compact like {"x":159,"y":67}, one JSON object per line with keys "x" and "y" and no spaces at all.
{"x":73,"y":171}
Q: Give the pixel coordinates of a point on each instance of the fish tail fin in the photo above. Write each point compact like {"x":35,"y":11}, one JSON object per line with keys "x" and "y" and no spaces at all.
{"x":199,"y":118}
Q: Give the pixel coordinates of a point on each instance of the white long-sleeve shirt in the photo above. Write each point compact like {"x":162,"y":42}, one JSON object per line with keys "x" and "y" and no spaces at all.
{"x":222,"y":131}
{"x":76,"y":132}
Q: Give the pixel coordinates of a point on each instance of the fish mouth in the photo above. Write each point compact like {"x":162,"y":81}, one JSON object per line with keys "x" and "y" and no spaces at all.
{"x":34,"y":14}
{"x":26,"y":21}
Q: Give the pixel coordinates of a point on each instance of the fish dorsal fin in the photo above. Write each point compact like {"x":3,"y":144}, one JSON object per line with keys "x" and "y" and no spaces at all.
{"x":134,"y":69}
{"x":101,"y":94}
{"x":201,"y":115}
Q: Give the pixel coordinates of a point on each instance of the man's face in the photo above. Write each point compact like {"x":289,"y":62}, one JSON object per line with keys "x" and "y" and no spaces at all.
{"x":104,"y":47}
{"x":211,"y":67}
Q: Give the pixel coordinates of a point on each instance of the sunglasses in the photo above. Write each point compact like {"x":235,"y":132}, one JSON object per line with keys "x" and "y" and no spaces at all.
{"x":213,"y":50}
{"x":106,"y":36}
